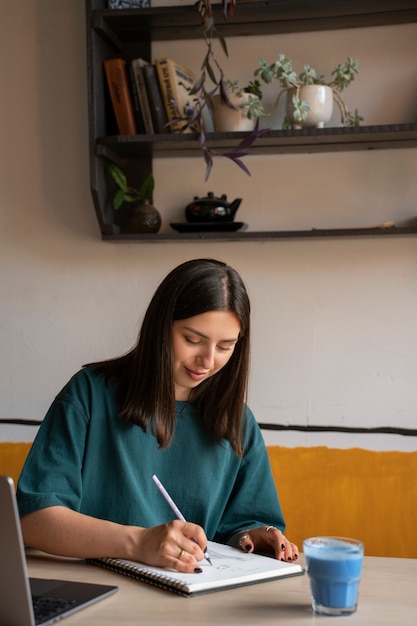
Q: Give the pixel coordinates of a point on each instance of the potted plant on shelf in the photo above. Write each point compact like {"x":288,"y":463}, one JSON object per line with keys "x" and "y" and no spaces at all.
{"x":236,"y":108}
{"x":309,"y":96}
{"x":204,"y":92}
{"x":142,"y":216}
{"x":299,"y":110}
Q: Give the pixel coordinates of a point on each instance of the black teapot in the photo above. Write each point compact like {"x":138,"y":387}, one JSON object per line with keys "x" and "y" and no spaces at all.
{"x":212,"y":209}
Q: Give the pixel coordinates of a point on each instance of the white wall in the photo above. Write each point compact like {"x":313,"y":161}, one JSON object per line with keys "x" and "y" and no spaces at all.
{"x":334,"y":321}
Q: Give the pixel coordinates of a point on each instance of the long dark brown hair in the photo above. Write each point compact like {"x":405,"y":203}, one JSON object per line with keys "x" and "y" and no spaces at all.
{"x":145,"y":373}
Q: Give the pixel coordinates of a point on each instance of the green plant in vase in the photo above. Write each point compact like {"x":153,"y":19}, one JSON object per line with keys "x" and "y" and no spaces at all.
{"x":236,"y":108}
{"x":126,"y":193}
{"x":143,"y":217}
{"x":212,"y":82}
{"x":252,"y":107}
{"x":293,"y":85}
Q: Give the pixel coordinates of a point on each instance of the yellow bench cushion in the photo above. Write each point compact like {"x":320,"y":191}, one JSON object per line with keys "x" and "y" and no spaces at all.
{"x":355,"y":493}
{"x":12,"y":458}
{"x":325,"y":491}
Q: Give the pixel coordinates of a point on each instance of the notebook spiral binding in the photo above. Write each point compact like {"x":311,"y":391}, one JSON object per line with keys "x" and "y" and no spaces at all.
{"x":142,"y":574}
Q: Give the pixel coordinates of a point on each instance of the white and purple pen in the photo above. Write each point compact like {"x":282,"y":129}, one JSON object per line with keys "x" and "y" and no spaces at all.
{"x":174,"y":507}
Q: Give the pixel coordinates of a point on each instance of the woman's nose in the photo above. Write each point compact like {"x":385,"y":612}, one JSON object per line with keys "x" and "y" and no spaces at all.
{"x":207,"y":357}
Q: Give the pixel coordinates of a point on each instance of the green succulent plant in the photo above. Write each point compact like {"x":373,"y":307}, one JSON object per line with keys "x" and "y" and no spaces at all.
{"x":252,"y":107}
{"x":212,"y":81}
{"x":125,"y":193}
{"x":282,"y":71}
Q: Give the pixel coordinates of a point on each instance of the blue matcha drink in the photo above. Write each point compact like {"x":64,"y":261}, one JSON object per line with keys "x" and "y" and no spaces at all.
{"x":334,"y":566}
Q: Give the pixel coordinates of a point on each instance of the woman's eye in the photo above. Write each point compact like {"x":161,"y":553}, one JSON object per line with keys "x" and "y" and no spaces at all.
{"x":193,"y":341}
{"x":198,"y":341}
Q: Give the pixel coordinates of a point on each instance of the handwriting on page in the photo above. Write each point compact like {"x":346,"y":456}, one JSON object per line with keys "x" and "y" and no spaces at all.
{"x":231,"y":563}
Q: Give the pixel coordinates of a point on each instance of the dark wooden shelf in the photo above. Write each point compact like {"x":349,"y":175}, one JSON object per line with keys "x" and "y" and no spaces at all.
{"x":253,"y":18}
{"x":386,"y":136}
{"x":130,"y":33}
{"x":317,"y":233}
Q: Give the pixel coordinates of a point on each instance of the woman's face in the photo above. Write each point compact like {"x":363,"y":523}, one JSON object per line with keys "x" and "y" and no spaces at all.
{"x":202,"y":345}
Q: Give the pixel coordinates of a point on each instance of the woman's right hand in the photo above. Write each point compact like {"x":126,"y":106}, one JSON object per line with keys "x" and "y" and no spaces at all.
{"x":58,"y":530}
{"x":175,"y":545}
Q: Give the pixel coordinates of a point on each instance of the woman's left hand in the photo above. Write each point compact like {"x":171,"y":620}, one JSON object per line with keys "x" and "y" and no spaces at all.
{"x":268,"y":539}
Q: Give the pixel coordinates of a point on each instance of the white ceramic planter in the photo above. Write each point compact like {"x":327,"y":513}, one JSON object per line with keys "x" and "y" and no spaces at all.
{"x":320,"y":100}
{"x":226,"y":119}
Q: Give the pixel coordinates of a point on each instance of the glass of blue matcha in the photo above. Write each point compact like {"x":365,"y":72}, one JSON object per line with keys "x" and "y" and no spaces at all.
{"x":334,"y":567}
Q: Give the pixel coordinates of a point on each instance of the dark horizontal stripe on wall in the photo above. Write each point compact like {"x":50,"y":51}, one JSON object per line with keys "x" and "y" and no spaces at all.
{"x":386,"y":430}
{"x":21,"y":422}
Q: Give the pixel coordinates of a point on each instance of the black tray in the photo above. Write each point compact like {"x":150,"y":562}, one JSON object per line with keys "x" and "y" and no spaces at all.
{"x":207,"y":227}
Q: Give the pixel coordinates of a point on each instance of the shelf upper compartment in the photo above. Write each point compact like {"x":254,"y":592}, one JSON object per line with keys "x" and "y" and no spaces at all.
{"x":277,"y":141}
{"x":251,"y":18}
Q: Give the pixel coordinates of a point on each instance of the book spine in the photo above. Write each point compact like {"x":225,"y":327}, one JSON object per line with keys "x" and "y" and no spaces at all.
{"x":140,"y":124}
{"x":159,"y":116}
{"x":118,"y":82}
{"x":175,"y":82}
{"x":167,"y":90}
{"x":137,"y":65}
{"x":128,"y":4}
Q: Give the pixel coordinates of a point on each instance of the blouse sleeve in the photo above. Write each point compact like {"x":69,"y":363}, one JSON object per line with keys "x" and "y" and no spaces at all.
{"x":51,"y":475}
{"x":254,"y":499}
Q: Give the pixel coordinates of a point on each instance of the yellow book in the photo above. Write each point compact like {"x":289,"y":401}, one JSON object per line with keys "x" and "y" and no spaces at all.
{"x":175,"y":81}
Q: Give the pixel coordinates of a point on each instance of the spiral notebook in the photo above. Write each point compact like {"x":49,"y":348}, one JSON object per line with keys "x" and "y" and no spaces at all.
{"x":231,"y":568}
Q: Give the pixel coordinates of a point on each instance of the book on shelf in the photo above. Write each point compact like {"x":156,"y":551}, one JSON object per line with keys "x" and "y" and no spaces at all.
{"x":230,"y":568}
{"x":120,"y":94}
{"x":159,"y":116}
{"x":176,"y":81}
{"x":140,"y":124}
{"x":128,"y":4}
{"x":137,"y":67}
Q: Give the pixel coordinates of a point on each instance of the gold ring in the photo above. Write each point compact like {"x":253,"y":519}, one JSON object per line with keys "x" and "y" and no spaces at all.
{"x":181,"y":553}
{"x":245,"y":536}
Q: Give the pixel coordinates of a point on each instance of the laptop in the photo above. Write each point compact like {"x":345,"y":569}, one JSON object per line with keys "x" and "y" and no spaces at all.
{"x":28,"y":601}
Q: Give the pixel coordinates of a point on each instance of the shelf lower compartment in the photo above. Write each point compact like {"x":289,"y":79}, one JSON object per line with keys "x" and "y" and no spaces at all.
{"x":315,"y":233}
{"x":306,"y":140}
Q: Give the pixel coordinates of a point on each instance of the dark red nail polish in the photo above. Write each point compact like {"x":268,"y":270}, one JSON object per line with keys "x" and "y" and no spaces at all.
{"x":247,"y":548}
{"x":282,"y":559}
{"x":198,"y":570}
{"x":289,"y":558}
{"x":282,"y":547}
{"x":295,"y":557}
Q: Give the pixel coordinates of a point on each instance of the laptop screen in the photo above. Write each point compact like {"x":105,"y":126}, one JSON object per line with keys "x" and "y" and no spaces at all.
{"x":54,"y":599}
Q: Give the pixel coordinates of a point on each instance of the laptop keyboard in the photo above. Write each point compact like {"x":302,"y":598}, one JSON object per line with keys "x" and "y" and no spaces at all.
{"x":46,"y":607}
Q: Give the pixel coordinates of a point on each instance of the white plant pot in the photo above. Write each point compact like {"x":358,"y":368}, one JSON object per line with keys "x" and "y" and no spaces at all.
{"x":320,"y":100}
{"x":226,"y":119}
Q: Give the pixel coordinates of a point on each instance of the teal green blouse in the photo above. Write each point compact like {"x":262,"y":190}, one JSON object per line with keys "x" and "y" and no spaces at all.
{"x":86,"y":458}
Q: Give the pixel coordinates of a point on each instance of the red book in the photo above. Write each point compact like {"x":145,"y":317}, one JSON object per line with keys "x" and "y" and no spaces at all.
{"x":121,"y":97}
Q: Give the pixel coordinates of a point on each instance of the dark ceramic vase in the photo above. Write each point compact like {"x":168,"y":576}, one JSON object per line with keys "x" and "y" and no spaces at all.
{"x":144,"y":218}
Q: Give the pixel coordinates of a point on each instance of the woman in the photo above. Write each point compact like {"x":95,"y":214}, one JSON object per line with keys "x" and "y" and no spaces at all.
{"x":173,"y":406}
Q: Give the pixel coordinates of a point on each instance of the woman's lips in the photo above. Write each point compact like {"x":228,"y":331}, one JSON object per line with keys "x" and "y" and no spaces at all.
{"x":197,"y":376}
